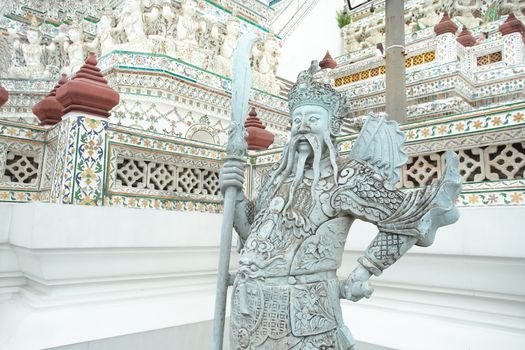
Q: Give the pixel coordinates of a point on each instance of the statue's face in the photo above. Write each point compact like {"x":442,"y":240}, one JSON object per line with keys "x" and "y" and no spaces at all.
{"x":32,"y":36}
{"x":74,"y":34}
{"x":233,"y":26}
{"x":188,"y":7}
{"x":310,"y":119}
{"x":105,"y":21}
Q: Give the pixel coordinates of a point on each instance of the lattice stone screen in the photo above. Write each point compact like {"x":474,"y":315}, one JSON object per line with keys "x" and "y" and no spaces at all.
{"x":147,"y":174}
{"x":498,"y":162}
{"x":21,"y":168}
{"x":489,"y":59}
{"x":140,"y":172}
{"x":20,"y":165}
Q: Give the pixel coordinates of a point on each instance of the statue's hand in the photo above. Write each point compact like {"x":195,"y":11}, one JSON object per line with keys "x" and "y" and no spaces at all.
{"x":356,"y":286}
{"x":231,"y":175}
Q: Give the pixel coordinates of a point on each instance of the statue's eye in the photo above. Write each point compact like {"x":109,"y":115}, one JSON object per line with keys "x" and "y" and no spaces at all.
{"x":313,"y":118}
{"x":297,"y":120}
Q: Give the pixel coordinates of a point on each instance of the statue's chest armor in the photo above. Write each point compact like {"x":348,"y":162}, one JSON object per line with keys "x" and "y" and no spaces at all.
{"x":285,"y":232}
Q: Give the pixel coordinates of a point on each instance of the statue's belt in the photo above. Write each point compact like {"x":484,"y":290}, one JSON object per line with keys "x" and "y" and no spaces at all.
{"x":283,"y":281}
{"x":301,"y":279}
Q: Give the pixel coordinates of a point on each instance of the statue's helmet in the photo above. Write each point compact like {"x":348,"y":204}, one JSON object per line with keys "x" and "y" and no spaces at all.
{"x":307,"y":91}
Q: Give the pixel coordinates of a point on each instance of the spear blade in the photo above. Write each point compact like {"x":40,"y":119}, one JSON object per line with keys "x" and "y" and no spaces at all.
{"x":235,"y":149}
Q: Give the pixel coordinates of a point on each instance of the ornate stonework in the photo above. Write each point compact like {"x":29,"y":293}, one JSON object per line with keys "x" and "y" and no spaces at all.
{"x":286,"y":293}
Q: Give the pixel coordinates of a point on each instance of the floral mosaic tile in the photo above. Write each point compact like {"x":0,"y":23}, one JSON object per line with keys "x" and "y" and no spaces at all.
{"x":89,"y":165}
{"x":157,"y":203}
{"x":465,"y":126}
{"x":491,"y":198}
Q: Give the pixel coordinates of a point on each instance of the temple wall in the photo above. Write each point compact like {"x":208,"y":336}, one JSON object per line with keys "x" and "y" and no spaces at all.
{"x":76,"y":274}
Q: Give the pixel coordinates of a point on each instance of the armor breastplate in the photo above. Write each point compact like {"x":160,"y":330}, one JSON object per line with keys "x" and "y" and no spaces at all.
{"x":301,"y":237}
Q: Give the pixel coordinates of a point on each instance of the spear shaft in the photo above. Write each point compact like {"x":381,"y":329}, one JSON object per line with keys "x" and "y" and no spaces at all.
{"x":235,"y":150}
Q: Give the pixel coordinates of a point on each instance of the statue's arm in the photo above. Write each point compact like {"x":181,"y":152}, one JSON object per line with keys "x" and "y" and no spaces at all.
{"x":383,"y":252}
{"x":403,"y":219}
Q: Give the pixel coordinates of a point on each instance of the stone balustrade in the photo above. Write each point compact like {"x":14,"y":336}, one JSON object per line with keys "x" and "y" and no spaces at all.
{"x":96,"y":163}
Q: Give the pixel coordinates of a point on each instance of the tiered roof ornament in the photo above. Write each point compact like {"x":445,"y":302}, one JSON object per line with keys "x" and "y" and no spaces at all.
{"x":327,"y":62}
{"x":466,"y":38}
{"x":49,"y":111}
{"x":258,"y":138}
{"x":512,"y":25}
{"x":4,"y":96}
{"x":88,"y":91}
{"x":446,"y":25}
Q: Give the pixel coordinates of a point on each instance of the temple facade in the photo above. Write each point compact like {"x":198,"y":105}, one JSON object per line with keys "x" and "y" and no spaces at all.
{"x":114,"y":117}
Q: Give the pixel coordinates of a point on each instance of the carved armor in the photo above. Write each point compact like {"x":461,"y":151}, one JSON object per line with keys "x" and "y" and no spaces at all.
{"x":286,"y":293}
{"x":291,"y":254}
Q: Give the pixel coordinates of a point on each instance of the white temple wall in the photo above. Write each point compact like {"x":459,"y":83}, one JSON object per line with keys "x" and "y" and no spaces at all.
{"x":104,"y":276}
{"x":314,"y":35}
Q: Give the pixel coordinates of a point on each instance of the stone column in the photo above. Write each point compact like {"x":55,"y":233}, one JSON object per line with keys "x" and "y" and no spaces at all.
{"x":446,"y":40}
{"x":395,"y":81}
{"x":79,"y":169}
{"x":513,"y":32}
{"x":465,"y":40}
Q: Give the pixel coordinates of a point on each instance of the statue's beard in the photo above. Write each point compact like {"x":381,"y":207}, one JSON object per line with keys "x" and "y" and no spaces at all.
{"x":296,"y":157}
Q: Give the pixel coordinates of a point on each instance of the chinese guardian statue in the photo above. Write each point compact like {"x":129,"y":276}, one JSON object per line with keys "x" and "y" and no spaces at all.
{"x":286,"y":294}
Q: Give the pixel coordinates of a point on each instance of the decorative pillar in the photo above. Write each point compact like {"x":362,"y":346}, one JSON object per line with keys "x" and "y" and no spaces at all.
{"x":79,"y":170}
{"x":258,"y":138}
{"x":328,"y":62}
{"x":4,"y":96}
{"x":465,"y":38}
{"x":49,"y":111}
{"x":446,"y":40}
{"x":513,"y":32}
{"x":326,"y":65}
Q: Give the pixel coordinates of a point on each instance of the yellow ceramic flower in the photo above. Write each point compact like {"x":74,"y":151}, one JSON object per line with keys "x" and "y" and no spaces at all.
{"x":518,"y":117}
{"x":92,"y":123}
{"x":496,"y":121}
{"x":516,"y":197}
{"x":477,"y":124}
{"x":473,"y":199}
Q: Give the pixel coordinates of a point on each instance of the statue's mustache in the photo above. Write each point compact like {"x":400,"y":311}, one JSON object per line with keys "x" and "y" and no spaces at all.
{"x":290,"y":163}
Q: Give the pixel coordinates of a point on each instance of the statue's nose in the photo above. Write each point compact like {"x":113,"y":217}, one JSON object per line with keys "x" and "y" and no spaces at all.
{"x":304,"y":127}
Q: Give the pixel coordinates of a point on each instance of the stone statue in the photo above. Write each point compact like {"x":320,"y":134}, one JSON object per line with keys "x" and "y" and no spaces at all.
{"x":351,"y":35}
{"x":266,"y":61}
{"x":75,"y":50}
{"x":465,"y":12}
{"x":286,"y":291}
{"x":427,"y":14}
{"x":187,"y":27}
{"x":223,"y":61}
{"x":515,"y":6}
{"x":161,"y":25}
{"x":33,"y":53}
{"x":104,"y":41}
{"x":212,"y":47}
{"x":373,"y":34}
{"x":131,"y":21}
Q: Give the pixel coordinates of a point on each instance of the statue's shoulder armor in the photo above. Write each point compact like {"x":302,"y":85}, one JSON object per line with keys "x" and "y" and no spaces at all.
{"x":364,"y":193}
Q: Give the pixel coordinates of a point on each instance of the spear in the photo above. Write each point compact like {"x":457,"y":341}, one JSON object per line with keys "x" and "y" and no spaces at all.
{"x":235,"y":150}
